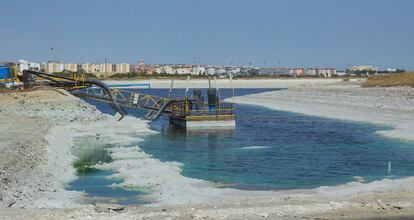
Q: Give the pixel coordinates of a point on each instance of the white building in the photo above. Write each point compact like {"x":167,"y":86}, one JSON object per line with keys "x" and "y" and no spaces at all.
{"x":122,"y":68}
{"x":198,"y":70}
{"x":164,"y":70}
{"x":90,"y":68}
{"x":26,"y":65}
{"x":34,"y":66}
{"x":167,"y":70}
{"x":71,"y":67}
{"x":391,"y":70}
{"x":313,"y":72}
{"x":54,"y":67}
{"x":158,"y":70}
{"x":182,"y":70}
{"x":234,"y":70}
{"x":220,"y":71}
{"x":326,"y":72}
{"x":210,"y":71}
{"x":23,"y":65}
{"x":105,"y":68}
{"x":364,"y":68}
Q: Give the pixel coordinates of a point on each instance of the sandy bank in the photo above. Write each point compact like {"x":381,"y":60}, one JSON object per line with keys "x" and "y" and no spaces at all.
{"x":35,"y":147}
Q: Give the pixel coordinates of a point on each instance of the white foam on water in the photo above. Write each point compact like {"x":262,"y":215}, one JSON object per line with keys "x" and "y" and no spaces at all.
{"x":255,"y":147}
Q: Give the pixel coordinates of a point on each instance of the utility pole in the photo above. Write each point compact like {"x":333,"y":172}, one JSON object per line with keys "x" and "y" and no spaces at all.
{"x":196,"y":61}
{"x":55,"y":47}
{"x":349,"y":66}
{"x":106,"y":69}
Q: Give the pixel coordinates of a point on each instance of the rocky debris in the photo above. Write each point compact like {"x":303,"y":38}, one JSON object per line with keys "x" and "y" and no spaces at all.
{"x":382,"y":204}
{"x":65,"y":109}
{"x":397,"y":207}
{"x":21,"y":170}
{"x":105,"y":207}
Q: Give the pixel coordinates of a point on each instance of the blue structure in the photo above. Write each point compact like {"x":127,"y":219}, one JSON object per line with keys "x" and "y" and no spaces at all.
{"x":7,"y":72}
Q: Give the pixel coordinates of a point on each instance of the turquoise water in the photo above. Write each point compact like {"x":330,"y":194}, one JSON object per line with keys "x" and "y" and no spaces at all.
{"x":279,"y":150}
{"x":95,"y":182}
{"x":100,"y":190}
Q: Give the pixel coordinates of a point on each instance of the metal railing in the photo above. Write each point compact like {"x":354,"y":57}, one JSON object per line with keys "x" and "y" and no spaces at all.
{"x":128,"y":98}
{"x":189,"y":109}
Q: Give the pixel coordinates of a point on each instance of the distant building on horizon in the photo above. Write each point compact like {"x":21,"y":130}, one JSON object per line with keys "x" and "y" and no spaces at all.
{"x":325,"y":72}
{"x":364,"y":68}
{"x":105,"y":69}
{"x":109,"y":69}
{"x":72,"y":67}
{"x":210,"y":71}
{"x":274,"y":71}
{"x":297,"y":71}
{"x":198,"y":70}
{"x":26,"y":65}
{"x":392,"y":70}
{"x":122,"y":68}
{"x":54,"y":67}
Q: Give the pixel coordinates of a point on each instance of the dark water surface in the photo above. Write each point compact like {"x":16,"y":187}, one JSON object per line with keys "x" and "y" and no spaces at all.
{"x":278,"y":150}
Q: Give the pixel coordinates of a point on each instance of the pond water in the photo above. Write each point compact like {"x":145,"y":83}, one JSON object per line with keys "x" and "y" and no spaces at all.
{"x":274,"y":149}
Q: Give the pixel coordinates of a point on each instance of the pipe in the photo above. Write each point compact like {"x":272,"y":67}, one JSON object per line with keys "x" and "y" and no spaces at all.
{"x":115,"y":104}
{"x":73,"y":82}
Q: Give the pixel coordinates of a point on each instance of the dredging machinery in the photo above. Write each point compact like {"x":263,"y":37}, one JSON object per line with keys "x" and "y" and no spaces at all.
{"x":188,"y":112}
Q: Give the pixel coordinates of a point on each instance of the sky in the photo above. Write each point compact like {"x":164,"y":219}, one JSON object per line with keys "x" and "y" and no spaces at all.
{"x":293,"y":33}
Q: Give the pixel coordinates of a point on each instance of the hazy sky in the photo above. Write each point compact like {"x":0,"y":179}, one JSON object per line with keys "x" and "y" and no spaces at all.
{"x":264,"y":32}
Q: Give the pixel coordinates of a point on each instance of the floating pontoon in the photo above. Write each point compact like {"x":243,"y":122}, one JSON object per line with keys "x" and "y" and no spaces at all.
{"x":197,"y":114}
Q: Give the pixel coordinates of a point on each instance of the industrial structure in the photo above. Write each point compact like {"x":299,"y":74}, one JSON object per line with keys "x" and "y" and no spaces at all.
{"x":189,"y":112}
{"x":8,"y":73}
{"x":197,"y":114}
